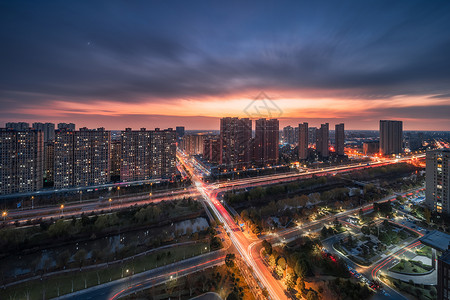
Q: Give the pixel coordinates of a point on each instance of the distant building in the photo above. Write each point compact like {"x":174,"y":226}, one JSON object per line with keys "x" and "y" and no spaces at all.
{"x":180,"y":133}
{"x":288,"y":135}
{"x":323,"y":140}
{"x":437,"y":194}
{"x":17,"y":125}
{"x":193,"y":144}
{"x":370,"y":148}
{"x":312,"y":135}
{"x":48,"y":129}
{"x":266,"y":141}
{"x":303,"y":141}
{"x":339,"y":139}
{"x":211,"y":149}
{"x":21,"y":160}
{"x":391,"y":137}
{"x":82,"y":158}
{"x":68,"y":126}
{"x":235,"y":137}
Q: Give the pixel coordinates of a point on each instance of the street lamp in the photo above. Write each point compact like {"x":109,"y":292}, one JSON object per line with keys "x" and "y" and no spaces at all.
{"x":110,"y":200}
{"x":32,"y":202}
{"x":4,"y":214}
{"x":62,"y":209}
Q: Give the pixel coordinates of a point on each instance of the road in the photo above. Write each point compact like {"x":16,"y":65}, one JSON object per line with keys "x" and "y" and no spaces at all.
{"x":144,"y":280}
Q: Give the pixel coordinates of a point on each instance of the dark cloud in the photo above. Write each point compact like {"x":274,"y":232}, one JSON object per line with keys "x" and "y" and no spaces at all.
{"x":153,"y":51}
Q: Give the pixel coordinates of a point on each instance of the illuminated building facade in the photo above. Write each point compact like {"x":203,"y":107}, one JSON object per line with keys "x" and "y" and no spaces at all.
{"x":437,"y":195}
{"x":21,"y":160}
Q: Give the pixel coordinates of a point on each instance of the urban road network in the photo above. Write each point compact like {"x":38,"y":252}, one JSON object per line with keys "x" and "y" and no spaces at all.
{"x":248,"y":247}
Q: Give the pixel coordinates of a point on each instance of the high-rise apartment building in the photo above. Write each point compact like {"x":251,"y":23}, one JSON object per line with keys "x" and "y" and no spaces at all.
{"x":49,"y":161}
{"x":437,"y":194}
{"x":135,"y":155}
{"x":235,"y":136}
{"x":193,"y":144}
{"x":391,"y":137}
{"x":19,"y":126}
{"x":323,"y":140}
{"x":266,"y":141}
{"x":211,"y":149}
{"x":371,"y":147}
{"x":116,"y":154}
{"x":68,"y":126}
{"x":48,"y":129}
{"x":21,"y":161}
{"x":312,"y":135}
{"x":339,"y":139}
{"x":303,"y":141}
{"x":163,"y":153}
{"x":147,"y":154}
{"x":288,"y":135}
{"x":82,"y":158}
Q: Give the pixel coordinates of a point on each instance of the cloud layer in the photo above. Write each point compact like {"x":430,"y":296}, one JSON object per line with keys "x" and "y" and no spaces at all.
{"x":157,"y":54}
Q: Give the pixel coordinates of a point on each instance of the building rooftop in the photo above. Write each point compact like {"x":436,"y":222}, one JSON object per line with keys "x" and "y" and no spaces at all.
{"x":437,"y":240}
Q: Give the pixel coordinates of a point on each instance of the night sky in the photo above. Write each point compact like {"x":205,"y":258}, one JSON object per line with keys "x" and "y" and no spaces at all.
{"x":153,"y":64}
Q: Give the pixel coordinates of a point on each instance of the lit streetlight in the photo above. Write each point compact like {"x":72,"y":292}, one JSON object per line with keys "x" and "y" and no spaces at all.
{"x":4,"y":215}
{"x":62,"y":209}
{"x":110,"y":200}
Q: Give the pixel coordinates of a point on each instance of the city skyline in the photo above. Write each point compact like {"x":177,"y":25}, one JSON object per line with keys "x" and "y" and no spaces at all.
{"x":163,"y":70}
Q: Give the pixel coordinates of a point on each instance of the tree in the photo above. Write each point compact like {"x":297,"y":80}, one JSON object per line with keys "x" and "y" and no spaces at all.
{"x":229,"y":260}
{"x":272,"y":260}
{"x":289,"y":280}
{"x":267,"y":246}
{"x":365,"y":230}
{"x":301,"y":269}
{"x":79,"y":257}
{"x":282,"y":263}
{"x":312,"y":295}
{"x":300,"y":285}
{"x":63,"y":258}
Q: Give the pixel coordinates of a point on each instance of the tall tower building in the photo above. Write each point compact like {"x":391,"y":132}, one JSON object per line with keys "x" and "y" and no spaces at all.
{"x":49,"y":161}
{"x":312,"y":135}
{"x":82,"y":158}
{"x":48,"y":129}
{"x":235,"y":137}
{"x":116,"y":154}
{"x":193,"y":144}
{"x":163,"y":153}
{"x":135,"y":155}
{"x":19,"y":126}
{"x":211,"y":149}
{"x":391,"y":137}
{"x":303,"y":141}
{"x":322,"y":140}
{"x":437,"y":195}
{"x":68,"y":126}
{"x":339,"y":139}
{"x":266,"y":141}
{"x":288,"y":135}
{"x":21,"y":161}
